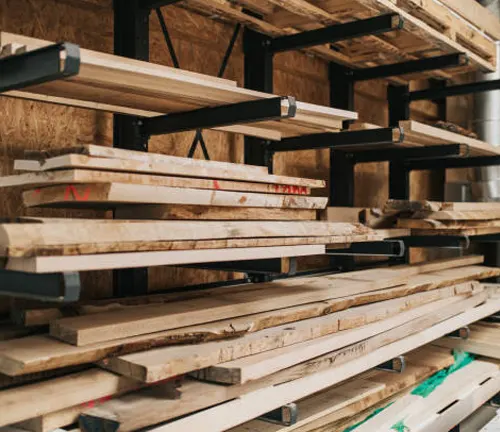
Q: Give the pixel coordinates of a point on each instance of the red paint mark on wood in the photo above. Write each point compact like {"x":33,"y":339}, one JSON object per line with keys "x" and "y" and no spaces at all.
{"x":216,"y":185}
{"x":71,"y":193}
{"x":38,"y":191}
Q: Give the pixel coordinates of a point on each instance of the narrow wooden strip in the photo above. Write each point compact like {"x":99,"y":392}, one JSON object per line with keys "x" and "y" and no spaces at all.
{"x":115,"y":194}
{"x":444,"y":225}
{"x":232,"y":172}
{"x":76,"y":176}
{"x":163,"y":363}
{"x":433,"y":206}
{"x":48,"y":396}
{"x":257,"y":400}
{"x":455,"y":232}
{"x":52,"y":264}
{"x":446,"y":215}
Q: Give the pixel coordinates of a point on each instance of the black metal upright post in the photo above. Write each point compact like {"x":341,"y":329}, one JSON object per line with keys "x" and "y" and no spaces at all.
{"x":341,"y":163}
{"x":258,"y":76}
{"x":131,"y":39}
{"x":399,"y":110}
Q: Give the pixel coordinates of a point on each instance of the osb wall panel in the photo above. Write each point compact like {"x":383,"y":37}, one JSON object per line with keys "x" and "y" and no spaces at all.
{"x":200,"y":44}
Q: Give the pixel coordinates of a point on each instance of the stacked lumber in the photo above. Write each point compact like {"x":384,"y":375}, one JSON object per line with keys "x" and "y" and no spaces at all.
{"x":144,"y":89}
{"x":211,"y":360}
{"x":184,"y":211}
{"x":430,"y":29}
{"x":446,"y":218}
{"x":415,"y":134}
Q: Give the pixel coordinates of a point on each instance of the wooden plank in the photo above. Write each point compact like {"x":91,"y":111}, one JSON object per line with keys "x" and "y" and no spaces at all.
{"x":48,"y":396}
{"x":43,"y":316}
{"x":178,"y":167}
{"x":374,"y":218}
{"x":442,"y":225}
{"x":420,"y":134}
{"x":261,"y":400}
{"x":446,"y":215}
{"x":258,"y":366}
{"x":122,"y":413}
{"x":76,"y":176}
{"x":86,"y":249}
{"x":108,"y":261}
{"x":116,"y":194}
{"x":456,"y":232}
{"x":163,"y":363}
{"x":357,"y":394}
{"x":52,"y":421}
{"x":190,"y":212}
{"x":476,"y":14}
{"x":434,"y":206}
{"x":28,"y":235}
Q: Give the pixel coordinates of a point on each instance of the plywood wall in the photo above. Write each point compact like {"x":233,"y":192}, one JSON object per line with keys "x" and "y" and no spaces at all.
{"x":200,"y":44}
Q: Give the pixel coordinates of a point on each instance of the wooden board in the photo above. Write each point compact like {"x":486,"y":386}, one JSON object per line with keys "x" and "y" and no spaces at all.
{"x":258,"y":366}
{"x":444,"y":225}
{"x":77,"y":176}
{"x":190,"y":212}
{"x":55,"y":420}
{"x":108,"y":261}
{"x":250,"y":357}
{"x":420,"y":134}
{"x":477,"y":15}
{"x":358,"y":394}
{"x":261,"y":400}
{"x":456,"y":232}
{"x":178,"y":167}
{"x":111,"y":195}
{"x":48,"y":396}
{"x":433,"y":206}
{"x":24,"y":236}
{"x":447,"y":215}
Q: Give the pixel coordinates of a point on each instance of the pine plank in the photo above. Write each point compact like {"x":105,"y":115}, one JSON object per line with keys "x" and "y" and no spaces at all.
{"x":442,"y":225}
{"x":191,"y":212}
{"x":259,"y":401}
{"x":447,"y":215}
{"x":55,"y":420}
{"x":108,"y":261}
{"x":77,"y":176}
{"x":48,"y":396}
{"x":28,"y":236}
{"x":434,"y":206}
{"x":252,"y":351}
{"x":177,"y":167}
{"x":456,"y":232}
{"x":110,"y":195}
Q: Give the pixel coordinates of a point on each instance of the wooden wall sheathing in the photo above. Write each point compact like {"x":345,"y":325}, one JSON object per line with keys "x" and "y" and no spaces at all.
{"x":200,"y":43}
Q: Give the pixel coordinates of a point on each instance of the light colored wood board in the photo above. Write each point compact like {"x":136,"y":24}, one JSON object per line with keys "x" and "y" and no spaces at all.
{"x":250,"y":354}
{"x":189,"y":212}
{"x":258,"y":366}
{"x":357,"y":394}
{"x":477,"y":15}
{"x":122,"y":412}
{"x":79,"y":249}
{"x":421,"y":134}
{"x":463,"y":407}
{"x":434,"y":206}
{"x":456,"y":232}
{"x":374,"y":218}
{"x":254,"y":131}
{"x":108,"y":261}
{"x":180,"y":168}
{"x":43,"y":316}
{"x":27,"y":235}
{"x":252,"y":404}
{"x":405,"y":409}
{"x":444,"y":225}
{"x":388,"y":233}
{"x":55,"y":420}
{"x":48,"y":396}
{"x":458,"y":216}
{"x":115,"y":194}
{"x":76,"y":176}
{"x":145,"y":319}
